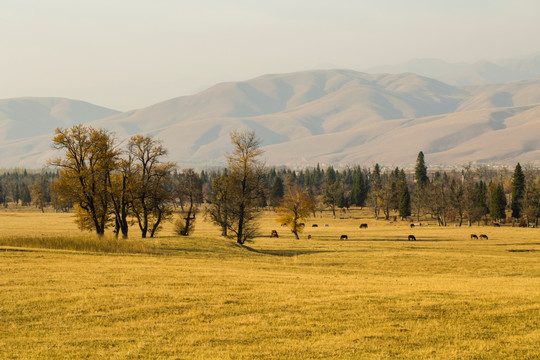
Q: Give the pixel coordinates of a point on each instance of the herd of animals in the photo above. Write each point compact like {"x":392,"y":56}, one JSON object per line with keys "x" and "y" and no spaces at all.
{"x":274,"y":233}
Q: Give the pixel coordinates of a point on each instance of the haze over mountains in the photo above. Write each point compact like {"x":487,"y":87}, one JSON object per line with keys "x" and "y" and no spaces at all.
{"x":462,"y":74}
{"x":339,"y":117}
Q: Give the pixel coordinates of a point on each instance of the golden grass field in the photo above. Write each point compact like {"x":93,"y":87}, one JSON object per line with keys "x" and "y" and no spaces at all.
{"x":373,"y":296}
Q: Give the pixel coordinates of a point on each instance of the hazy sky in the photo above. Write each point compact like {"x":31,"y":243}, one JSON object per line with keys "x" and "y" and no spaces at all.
{"x":127,"y":54}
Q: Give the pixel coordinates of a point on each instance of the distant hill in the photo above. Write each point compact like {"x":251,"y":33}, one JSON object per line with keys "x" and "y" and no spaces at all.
{"x":464,"y":74}
{"x":27,"y":124}
{"x":339,"y":117}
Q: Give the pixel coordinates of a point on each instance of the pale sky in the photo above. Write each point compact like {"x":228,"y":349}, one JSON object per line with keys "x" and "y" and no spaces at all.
{"x":127,"y":54}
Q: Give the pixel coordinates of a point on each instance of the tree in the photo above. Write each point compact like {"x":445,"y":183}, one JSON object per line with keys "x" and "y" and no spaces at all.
{"x":421,"y":179}
{"x":84,"y":171}
{"x":420,"y":170}
{"x":518,"y":190}
{"x":480,"y":201}
{"x":359,"y":190}
{"x":121,"y":191}
{"x":189,"y":192}
{"x":245,"y":185}
{"x":404,"y":203}
{"x":457,"y":198}
{"x":498,"y":203}
{"x":376,"y":188}
{"x":295,"y":207}
{"x":531,"y":197}
{"x":217,"y":209}
{"x":277,"y":191}
{"x":332,"y":190}
{"x":41,"y":195}
{"x":151,"y":198}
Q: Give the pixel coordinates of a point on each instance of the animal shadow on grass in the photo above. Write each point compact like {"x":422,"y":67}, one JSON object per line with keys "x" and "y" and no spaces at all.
{"x":283,"y":252}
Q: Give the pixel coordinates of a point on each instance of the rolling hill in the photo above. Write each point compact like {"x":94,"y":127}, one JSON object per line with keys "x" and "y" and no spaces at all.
{"x":339,"y":117}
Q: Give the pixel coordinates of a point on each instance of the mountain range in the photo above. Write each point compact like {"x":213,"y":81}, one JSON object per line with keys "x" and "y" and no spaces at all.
{"x":338,"y":117}
{"x":480,"y":72}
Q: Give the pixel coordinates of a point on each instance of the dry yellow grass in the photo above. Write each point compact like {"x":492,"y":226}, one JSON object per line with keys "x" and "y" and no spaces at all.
{"x":374,"y":296}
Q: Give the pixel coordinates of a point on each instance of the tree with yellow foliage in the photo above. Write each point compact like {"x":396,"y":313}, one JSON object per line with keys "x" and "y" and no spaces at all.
{"x":295,"y":207}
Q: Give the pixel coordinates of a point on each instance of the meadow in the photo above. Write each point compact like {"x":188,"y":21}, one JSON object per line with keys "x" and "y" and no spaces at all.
{"x":373,"y":296}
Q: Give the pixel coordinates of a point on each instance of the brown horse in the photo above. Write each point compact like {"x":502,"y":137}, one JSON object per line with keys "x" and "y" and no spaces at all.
{"x":473,"y":236}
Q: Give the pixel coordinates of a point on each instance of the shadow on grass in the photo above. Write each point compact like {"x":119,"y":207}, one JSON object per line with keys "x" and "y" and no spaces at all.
{"x":14,"y":249}
{"x":283,"y":253}
{"x":400,"y":239}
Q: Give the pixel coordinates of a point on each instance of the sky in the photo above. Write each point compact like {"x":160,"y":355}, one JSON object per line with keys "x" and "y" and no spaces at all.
{"x":128,"y":54}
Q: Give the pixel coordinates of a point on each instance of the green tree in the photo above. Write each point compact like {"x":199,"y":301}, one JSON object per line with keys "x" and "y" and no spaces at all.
{"x":375,"y":190}
{"x":498,"y":203}
{"x":359,"y":190}
{"x":518,"y":190}
{"x":277,"y":191}
{"x":332,"y":190}
{"x":404,"y":203}
{"x":420,"y":170}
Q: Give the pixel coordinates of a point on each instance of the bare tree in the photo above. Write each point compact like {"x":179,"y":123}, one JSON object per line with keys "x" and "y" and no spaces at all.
{"x":121,"y":189}
{"x":151,"y":199}
{"x":189,"y":193}
{"x":241,"y":189}
{"x":217,"y":209}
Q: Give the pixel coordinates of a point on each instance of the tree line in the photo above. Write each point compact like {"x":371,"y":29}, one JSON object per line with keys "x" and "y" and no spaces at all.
{"x":111,"y":184}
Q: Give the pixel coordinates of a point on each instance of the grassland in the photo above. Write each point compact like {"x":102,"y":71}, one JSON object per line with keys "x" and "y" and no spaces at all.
{"x":375,"y":295}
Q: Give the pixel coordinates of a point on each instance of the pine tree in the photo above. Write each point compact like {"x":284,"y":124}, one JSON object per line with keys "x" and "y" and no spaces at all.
{"x":359,"y":189}
{"x":518,"y":189}
{"x":420,"y":172}
{"x":404,"y":203}
{"x":497,"y":203}
{"x":277,"y":191}
{"x":376,"y":188}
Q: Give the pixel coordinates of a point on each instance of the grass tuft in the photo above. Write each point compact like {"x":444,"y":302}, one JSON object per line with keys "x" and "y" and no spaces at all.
{"x":81,"y":243}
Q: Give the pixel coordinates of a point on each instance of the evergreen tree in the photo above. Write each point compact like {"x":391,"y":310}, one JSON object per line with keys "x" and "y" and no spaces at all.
{"x":518,"y":189}
{"x":376,"y":188}
{"x":277,"y":191}
{"x":359,"y":189}
{"x":404,"y":203}
{"x":420,"y":171}
{"x":498,"y":203}
{"x":25,"y":194}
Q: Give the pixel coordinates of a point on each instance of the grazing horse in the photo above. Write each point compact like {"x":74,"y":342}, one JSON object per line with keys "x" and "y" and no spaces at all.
{"x":363,"y":226}
{"x":496,"y":224}
{"x":344,"y":237}
{"x":473,"y":236}
{"x":411,"y":238}
{"x":483,"y":236}
{"x":314,"y":225}
{"x":274,"y":234}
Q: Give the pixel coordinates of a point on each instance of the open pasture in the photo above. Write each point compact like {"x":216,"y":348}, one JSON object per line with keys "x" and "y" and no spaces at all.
{"x":375,"y":295}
